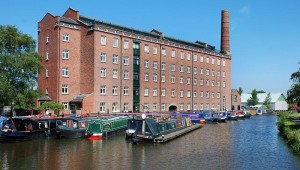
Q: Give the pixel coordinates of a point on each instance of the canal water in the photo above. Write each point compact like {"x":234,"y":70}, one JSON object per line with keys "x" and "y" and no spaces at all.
{"x":244,"y":144}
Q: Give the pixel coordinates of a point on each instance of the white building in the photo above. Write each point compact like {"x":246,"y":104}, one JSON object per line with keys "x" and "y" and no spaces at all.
{"x":278,"y":100}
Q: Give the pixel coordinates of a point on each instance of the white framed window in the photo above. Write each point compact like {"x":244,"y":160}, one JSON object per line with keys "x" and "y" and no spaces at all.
{"x":188,"y":94}
{"x":126,"y":60}
{"x":207,"y":72}
{"x":212,"y":72}
{"x":163,"y":106}
{"x":114,"y":90}
{"x":115,"y":73}
{"x":173,"y":53}
{"x":146,"y":92}
{"x":213,"y":61}
{"x":126,"y":74}
{"x":224,"y":63}
{"x":223,"y":73}
{"x":103,"y":57}
{"x":103,"y":72}
{"x":201,"y":70}
{"x":154,"y":50}
{"x":126,"y":107}
{"x":181,"y":55}
{"x":146,"y":48}
{"x":126,"y":46}
{"x":163,"y":51}
{"x":163,"y":66}
{"x":154,"y":77}
{"x":218,"y":62}
{"x":181,"y":106}
{"x":207,"y":82}
{"x":172,"y":67}
{"x":201,"y":59}
{"x":47,"y":39}
{"x":201,"y":82}
{"x":65,"y":54}
{"x":154,"y":106}
{"x":163,"y":78}
{"x":155,"y":65}
{"x":115,"y":59}
{"x":195,"y":81}
{"x":146,"y":64}
{"x":213,"y":95}
{"x":195,"y":70}
{"x":224,"y":84}
{"x":195,"y":93}
{"x":136,"y":45}
{"x":195,"y":106}
{"x":207,"y":106}
{"x":65,"y":37}
{"x":181,"y":93}
{"x":46,"y":92}
{"x":188,"y":80}
{"x":181,"y":80}
{"x":212,"y":106}
{"x":188,"y":69}
{"x":188,"y":106}
{"x":213,"y":83}
{"x":188,"y":56}
{"x":181,"y":69}
{"x":47,"y":56}
{"x":207,"y":94}
{"x":65,"y":104}
{"x":173,"y":79}
{"x":115,"y":42}
{"x":219,"y":73}
{"x":195,"y":57}
{"x":47,"y":72}
{"x":65,"y":72}
{"x":163,"y":92}
{"x":218,"y":95}
{"x":173,"y":92}
{"x":146,"y":77}
{"x":154,"y":92}
{"x":207,"y":60}
{"x":64,"y":89}
{"x":146,"y":107}
{"x":102,"y":107}
{"x":115,"y":107}
{"x":219,"y":84}
{"x":102,"y":90}
{"x":103,"y":40}
{"x":126,"y":91}
{"x":201,"y":94}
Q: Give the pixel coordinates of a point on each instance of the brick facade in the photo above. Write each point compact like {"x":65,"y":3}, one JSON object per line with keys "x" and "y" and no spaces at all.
{"x":172,"y":74}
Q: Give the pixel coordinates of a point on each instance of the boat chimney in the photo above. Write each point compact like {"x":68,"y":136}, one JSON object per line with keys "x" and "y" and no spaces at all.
{"x":225,"y":45}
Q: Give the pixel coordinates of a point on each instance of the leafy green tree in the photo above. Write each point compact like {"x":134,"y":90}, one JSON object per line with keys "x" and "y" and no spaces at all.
{"x":293,"y":94}
{"x":253,"y":100}
{"x":51,"y":106}
{"x":19,"y":67}
{"x":240,"y":90}
{"x":261,"y":91}
{"x":267,"y":102}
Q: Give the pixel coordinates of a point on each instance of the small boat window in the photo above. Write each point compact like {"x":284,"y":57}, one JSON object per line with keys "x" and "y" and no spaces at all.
{"x":75,"y":125}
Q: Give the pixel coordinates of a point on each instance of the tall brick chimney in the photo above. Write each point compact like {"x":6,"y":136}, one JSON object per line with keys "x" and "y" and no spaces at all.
{"x":225,"y":43}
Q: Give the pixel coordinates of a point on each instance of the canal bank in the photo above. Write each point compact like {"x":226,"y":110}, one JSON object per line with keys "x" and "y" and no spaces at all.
{"x":244,"y":144}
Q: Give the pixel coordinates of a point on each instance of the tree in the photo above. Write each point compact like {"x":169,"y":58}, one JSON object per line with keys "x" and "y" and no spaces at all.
{"x":240,"y":90}
{"x":260,"y":91}
{"x":267,"y":102}
{"x":253,"y":100}
{"x":293,"y":94}
{"x":51,"y":106}
{"x":19,"y":67}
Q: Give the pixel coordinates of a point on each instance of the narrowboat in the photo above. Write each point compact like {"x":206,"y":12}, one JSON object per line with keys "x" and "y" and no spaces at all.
{"x":132,"y":125}
{"x":23,"y":128}
{"x":148,"y":129}
{"x":222,"y":116}
{"x":71,"y":127}
{"x":209,"y":116}
{"x":231,"y":115}
{"x":247,"y":114}
{"x":240,"y":115}
{"x":106,"y":126}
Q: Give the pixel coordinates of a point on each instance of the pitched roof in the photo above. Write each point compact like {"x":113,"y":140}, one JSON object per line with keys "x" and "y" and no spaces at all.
{"x":79,"y":98}
{"x":262,"y":96}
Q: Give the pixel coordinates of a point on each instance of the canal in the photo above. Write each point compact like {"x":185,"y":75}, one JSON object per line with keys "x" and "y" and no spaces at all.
{"x":245,"y":144}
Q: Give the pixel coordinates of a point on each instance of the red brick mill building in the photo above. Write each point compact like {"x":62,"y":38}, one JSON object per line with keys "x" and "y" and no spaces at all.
{"x":96,"y":66}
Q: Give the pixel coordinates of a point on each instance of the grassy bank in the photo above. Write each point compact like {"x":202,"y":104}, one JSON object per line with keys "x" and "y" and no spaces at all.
{"x":289,"y":128}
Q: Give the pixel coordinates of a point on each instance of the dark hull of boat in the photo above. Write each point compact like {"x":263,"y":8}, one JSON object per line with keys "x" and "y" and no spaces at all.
{"x":18,"y":136}
{"x":74,"y":133}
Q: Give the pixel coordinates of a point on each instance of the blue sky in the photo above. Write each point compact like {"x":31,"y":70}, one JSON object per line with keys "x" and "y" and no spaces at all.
{"x":264,"y":35}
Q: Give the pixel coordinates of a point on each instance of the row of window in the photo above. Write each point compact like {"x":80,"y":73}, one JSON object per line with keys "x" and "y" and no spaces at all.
{"x":181,"y":93}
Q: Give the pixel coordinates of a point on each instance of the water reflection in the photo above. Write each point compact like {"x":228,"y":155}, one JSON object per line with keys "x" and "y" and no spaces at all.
{"x":243,"y":144}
